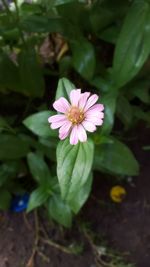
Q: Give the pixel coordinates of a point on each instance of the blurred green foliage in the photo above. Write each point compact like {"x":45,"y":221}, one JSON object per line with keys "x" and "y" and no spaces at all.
{"x":100,"y":45}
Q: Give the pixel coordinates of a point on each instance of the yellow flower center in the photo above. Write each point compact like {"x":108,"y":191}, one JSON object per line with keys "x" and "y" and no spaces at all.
{"x":75,"y":115}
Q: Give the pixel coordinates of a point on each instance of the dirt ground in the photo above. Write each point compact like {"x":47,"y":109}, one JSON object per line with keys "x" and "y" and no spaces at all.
{"x":125,"y":227}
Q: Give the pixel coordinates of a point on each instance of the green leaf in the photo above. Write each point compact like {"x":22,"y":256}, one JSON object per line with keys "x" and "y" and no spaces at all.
{"x":115,"y":157}
{"x":32,"y":81}
{"x":42,"y":24}
{"x":38,"y":124}
{"x":72,"y":24}
{"x":124,"y":111}
{"x":29,"y":9}
{"x":4,"y":125}
{"x":82,"y":195}
{"x":37,"y":198}
{"x":12,"y":147}
{"x":110,"y":34}
{"x":5,"y":199}
{"x":64,"y":66}
{"x":48,"y":147}
{"x":8,"y":170}
{"x":38,"y":168}
{"x":64,"y":88}
{"x":60,"y":211}
{"x":9,"y":74}
{"x":133,"y":45}
{"x":140,"y":89}
{"x":100,"y":22}
{"x":73,"y":167}
{"x":104,"y":85}
{"x":83,"y":58}
{"x":109,"y":101}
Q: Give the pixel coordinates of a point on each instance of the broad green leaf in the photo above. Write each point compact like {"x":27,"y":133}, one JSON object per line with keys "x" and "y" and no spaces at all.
{"x":64,"y":88}
{"x":11,"y":35}
{"x":140,"y":89}
{"x":42,"y":24}
{"x":98,"y":21}
{"x":115,"y":157}
{"x":4,"y":125}
{"x":64,"y":66}
{"x":104,"y":85}
{"x":48,"y":147}
{"x":72,"y":26}
{"x":29,"y":9}
{"x":38,"y":124}
{"x":37,"y":198}
{"x":9,"y":74}
{"x":8,"y":170}
{"x":124,"y":111}
{"x":59,"y":211}
{"x":81,"y":196}
{"x":12,"y":147}
{"x":74,"y":164}
{"x":38,"y":168}
{"x":32,"y":81}
{"x":83,"y":58}
{"x":110,"y":34}
{"x":133,"y":45}
{"x":109,"y":101}
{"x":5,"y":199}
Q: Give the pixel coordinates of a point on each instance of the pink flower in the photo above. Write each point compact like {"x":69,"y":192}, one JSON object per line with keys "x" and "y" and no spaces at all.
{"x":78,"y":116}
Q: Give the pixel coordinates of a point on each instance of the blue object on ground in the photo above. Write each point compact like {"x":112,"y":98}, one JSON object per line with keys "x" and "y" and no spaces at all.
{"x":19,"y":202}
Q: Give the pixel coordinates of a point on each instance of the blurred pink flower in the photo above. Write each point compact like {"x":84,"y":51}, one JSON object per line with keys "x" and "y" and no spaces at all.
{"x":78,"y":116}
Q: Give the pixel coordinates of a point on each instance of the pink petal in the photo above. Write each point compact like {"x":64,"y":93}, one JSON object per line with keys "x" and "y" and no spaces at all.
{"x":56,"y":118}
{"x":90,"y":114}
{"x":83,"y":99}
{"x":89,"y":126}
{"x":61,"y":105}
{"x":74,"y":136}
{"x":65,"y":130}
{"x":75,"y":96}
{"x":82,"y":133}
{"x":58,"y":124}
{"x":91,"y":101}
{"x":95,"y":120}
{"x":97,"y":107}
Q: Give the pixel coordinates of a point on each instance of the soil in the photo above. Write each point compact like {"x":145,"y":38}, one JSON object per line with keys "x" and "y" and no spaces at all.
{"x":125,"y":227}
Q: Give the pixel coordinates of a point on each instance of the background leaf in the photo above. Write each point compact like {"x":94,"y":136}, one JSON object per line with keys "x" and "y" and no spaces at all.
{"x":133,"y":45}
{"x":39,"y":168}
{"x":32,"y":82}
{"x":83,"y":58}
{"x":124,"y":111}
{"x":8,"y":170}
{"x":12,"y":147}
{"x":42,"y":24}
{"x":115,"y":157}
{"x":39,"y":125}
{"x":37,"y":198}
{"x":10,"y":70}
{"x":109,"y":101}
